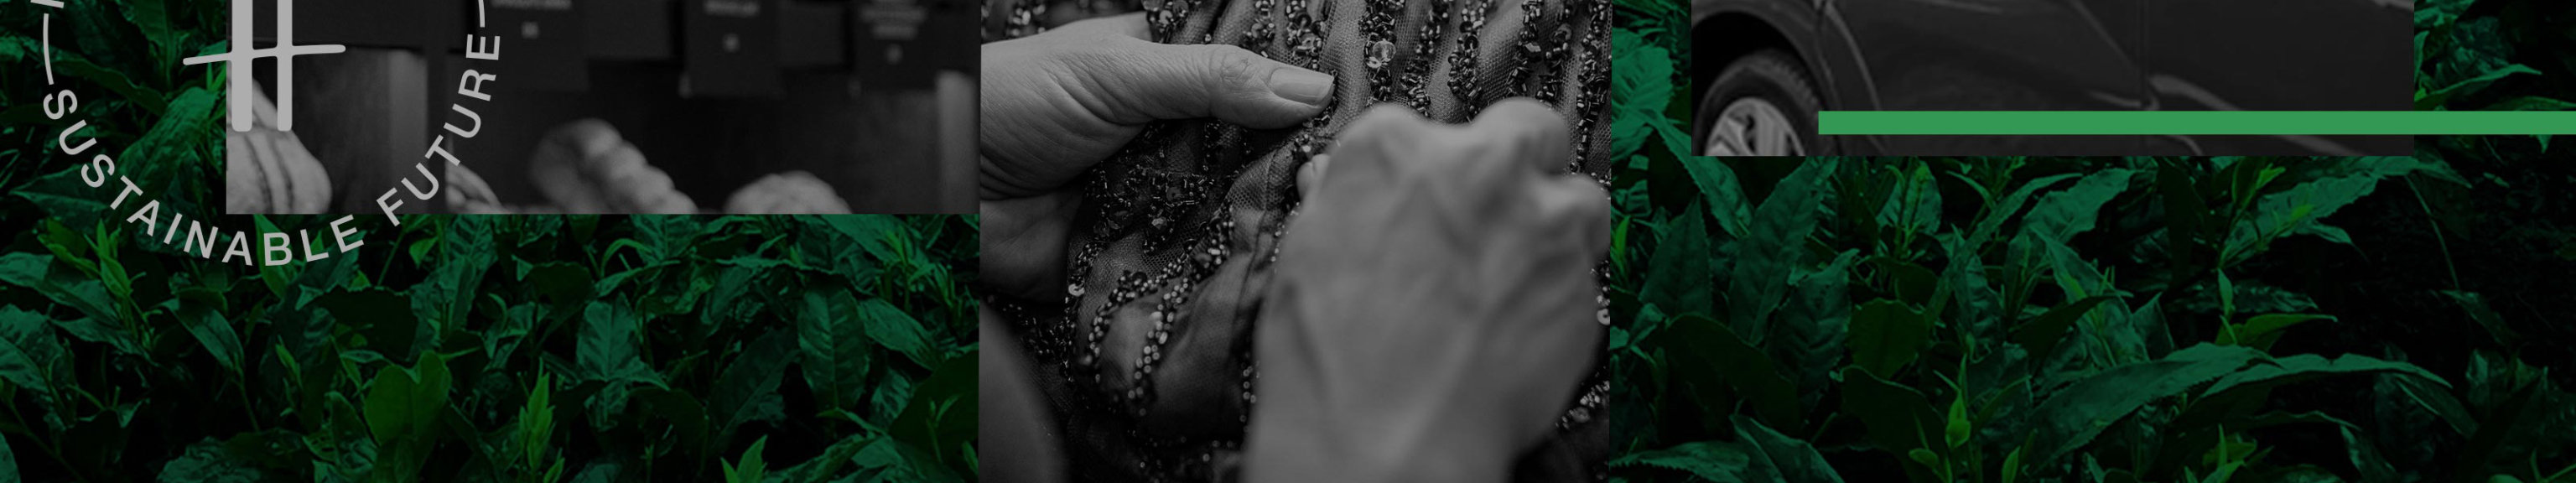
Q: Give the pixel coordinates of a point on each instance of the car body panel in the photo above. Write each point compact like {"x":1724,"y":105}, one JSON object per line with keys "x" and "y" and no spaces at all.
{"x":2095,"y":55}
{"x":2339,"y":55}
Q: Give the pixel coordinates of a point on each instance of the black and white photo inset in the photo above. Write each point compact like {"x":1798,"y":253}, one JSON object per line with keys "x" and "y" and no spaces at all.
{"x":1294,"y":240}
{"x":584,"y":106}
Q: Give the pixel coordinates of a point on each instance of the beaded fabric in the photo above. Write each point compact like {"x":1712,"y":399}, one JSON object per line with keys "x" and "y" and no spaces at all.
{"x":1147,"y":361}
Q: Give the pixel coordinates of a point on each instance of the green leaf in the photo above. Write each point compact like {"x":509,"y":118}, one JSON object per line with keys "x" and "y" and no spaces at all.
{"x":1724,"y":194}
{"x":1992,"y":221}
{"x":1678,"y":282}
{"x":2531,"y":103}
{"x":2062,"y":215}
{"x":29,"y":353}
{"x":2266,"y":373}
{"x":1776,"y":244}
{"x":943,"y":410}
{"x":748,"y":469}
{"x":2432,"y":100}
{"x":2485,"y":316}
{"x":207,"y":462}
{"x":748,"y":388}
{"x":1709,"y":460}
{"x":1707,"y":346}
{"x":2262,"y":330}
{"x":1886,"y":335}
{"x":2073,"y":416}
{"x":897,"y":331}
{"x":1916,"y":205}
{"x":835,"y":349}
{"x":2042,"y":334}
{"x":1898,"y":418}
{"x":607,"y":351}
{"x":1814,"y":326}
{"x":201,"y":310}
{"x":1777,"y":457}
{"x":8,"y":462}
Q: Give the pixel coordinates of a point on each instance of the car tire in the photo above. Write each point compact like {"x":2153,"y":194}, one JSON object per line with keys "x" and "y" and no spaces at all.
{"x":1771,"y":77}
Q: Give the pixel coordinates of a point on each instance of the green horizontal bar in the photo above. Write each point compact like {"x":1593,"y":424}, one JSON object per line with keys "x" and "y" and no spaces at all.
{"x":2431,"y":123}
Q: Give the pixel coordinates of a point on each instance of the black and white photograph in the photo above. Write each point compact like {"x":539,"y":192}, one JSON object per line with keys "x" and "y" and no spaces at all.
{"x":615,"y":107}
{"x":1765,"y":68}
{"x":1294,"y":240}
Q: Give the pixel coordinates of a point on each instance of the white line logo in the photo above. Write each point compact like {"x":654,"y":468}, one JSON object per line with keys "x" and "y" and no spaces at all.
{"x":237,"y":63}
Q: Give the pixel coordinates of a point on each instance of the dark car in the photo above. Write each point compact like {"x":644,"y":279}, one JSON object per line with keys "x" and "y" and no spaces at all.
{"x":1766,"y":67}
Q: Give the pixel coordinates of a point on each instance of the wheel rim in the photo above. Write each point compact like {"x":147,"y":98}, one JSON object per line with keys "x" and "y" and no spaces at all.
{"x":1752,"y":127}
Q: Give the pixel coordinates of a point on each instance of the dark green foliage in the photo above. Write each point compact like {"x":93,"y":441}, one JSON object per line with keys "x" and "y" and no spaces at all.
{"x":2124,"y":331}
{"x":468,"y":348}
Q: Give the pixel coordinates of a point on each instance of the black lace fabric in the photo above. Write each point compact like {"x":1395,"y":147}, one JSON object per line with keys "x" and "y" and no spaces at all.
{"x":1148,"y":359}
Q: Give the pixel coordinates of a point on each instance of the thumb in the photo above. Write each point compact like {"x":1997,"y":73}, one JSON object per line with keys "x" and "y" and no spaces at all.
{"x":1159,"y":81}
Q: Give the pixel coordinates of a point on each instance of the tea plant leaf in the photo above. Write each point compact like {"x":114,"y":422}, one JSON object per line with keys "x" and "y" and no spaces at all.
{"x":8,"y":461}
{"x":1707,"y":346}
{"x":2042,"y":334}
{"x":607,"y":351}
{"x":943,"y":409}
{"x":1777,"y":457}
{"x":1915,"y":207}
{"x":1724,"y":194}
{"x":2265,"y":373}
{"x":897,"y":331}
{"x":1898,"y":418}
{"x":1775,"y":244}
{"x":2062,"y":215}
{"x":835,"y":349}
{"x":2071,"y":417}
{"x":2301,"y":209}
{"x":1714,"y":461}
{"x":1679,"y":284}
{"x":748,"y":469}
{"x":29,"y":353}
{"x":403,"y":411}
{"x":1886,"y":335}
{"x":748,"y":388}
{"x":2486,"y":317}
{"x":207,"y":462}
{"x":201,"y":311}
{"x":1814,"y":326}
{"x":2262,"y":330}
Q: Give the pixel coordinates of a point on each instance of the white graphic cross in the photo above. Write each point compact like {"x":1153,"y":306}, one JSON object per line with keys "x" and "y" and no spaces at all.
{"x":238,"y":64}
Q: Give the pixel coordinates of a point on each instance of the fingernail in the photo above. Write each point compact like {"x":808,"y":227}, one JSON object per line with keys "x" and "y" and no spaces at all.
{"x":1304,"y":86}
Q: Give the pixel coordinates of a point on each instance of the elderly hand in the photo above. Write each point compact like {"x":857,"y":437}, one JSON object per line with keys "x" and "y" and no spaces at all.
{"x":1434,"y":308}
{"x":1056,"y":103}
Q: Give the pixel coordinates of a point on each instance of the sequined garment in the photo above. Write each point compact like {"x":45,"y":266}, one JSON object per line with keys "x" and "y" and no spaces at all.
{"x":1148,"y":359}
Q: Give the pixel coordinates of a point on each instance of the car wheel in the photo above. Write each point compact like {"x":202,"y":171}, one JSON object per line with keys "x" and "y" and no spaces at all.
{"x":1763,"y":104}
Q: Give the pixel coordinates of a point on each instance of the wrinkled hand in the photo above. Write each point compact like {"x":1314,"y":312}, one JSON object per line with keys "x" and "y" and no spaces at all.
{"x":1435,"y":308}
{"x":1056,"y":103}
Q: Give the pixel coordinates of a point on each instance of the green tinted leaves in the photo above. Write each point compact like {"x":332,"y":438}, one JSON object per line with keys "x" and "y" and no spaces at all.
{"x":2262,"y":330}
{"x":835,"y":348}
{"x":1886,"y":335}
{"x":201,"y":310}
{"x":2073,"y":416}
{"x":1709,"y":460}
{"x":748,"y":388}
{"x":403,"y":411}
{"x":2062,"y":215}
{"x":748,"y":469}
{"x":1774,"y":246}
{"x":1679,"y":283}
{"x":1708,"y":348}
{"x":897,"y":331}
{"x":607,"y":350}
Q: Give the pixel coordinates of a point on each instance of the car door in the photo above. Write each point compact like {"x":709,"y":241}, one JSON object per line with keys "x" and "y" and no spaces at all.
{"x":2281,"y":55}
{"x":1987,"y":55}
